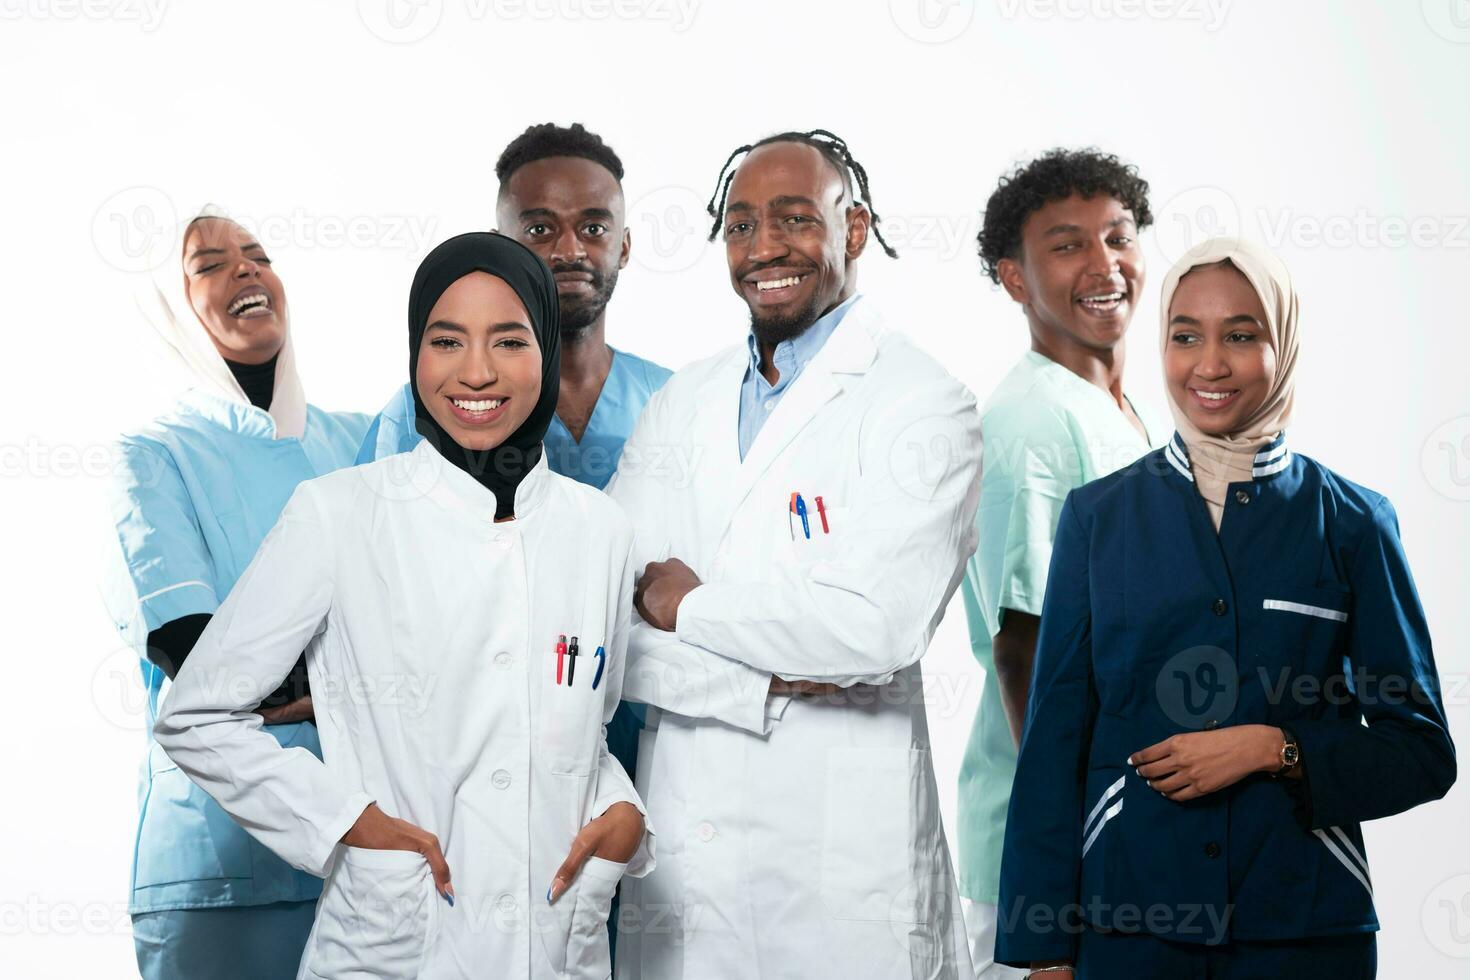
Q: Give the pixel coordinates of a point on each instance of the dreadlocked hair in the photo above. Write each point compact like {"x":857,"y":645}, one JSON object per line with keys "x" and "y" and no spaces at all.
{"x":832,"y":147}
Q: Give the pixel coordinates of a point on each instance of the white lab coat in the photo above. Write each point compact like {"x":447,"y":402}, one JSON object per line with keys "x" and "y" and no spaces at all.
{"x":430,"y":634}
{"x":798,"y":838}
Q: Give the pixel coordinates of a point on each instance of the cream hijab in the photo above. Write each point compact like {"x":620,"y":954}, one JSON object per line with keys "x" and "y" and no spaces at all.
{"x":186,"y":344}
{"x":1216,"y":461}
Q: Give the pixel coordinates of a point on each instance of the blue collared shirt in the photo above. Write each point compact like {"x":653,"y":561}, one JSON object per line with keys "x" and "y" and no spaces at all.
{"x":758,"y":397}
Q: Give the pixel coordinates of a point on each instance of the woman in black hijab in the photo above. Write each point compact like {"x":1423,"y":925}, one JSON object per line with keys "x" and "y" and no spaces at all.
{"x":464,"y":627}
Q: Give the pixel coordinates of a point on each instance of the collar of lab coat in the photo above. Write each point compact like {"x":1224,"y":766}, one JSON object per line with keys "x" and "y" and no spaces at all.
{"x":460,"y":493}
{"x":848,"y":353}
{"x":239,"y":417}
{"x":1272,"y":459}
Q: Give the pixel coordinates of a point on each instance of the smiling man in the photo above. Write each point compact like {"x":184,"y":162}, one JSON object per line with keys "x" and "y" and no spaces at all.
{"x":561,"y":195}
{"x":1060,"y":235}
{"x":788,"y":591}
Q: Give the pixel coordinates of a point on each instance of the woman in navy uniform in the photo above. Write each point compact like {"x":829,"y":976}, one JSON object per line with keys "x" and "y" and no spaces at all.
{"x":1233,"y":672}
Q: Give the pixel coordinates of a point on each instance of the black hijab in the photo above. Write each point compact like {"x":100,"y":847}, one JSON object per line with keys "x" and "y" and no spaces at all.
{"x":501,"y":469}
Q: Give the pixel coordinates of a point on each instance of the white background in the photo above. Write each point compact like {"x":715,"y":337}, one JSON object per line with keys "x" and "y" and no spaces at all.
{"x":1337,"y":133}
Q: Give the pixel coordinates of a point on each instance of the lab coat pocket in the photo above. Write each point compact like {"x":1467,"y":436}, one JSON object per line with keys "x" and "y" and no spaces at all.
{"x":377,"y":917}
{"x":880,"y":842}
{"x":822,"y":543}
{"x":570,"y":719}
{"x":574,"y":934}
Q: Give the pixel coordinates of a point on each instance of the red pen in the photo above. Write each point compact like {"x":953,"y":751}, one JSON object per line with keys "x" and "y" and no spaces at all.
{"x":561,"y":655}
{"x":822,"y":513}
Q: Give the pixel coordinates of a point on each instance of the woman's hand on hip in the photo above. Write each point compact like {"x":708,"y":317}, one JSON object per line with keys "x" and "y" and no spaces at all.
{"x":376,"y":831}
{"x":614,"y":836}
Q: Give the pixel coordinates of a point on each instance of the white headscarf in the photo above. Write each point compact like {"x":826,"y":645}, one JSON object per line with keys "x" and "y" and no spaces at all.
{"x":164,"y":303}
{"x":1216,"y":461}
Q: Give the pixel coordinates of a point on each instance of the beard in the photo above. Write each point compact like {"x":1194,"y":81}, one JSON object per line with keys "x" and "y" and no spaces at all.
{"x":773,"y":328}
{"x":578,"y":315}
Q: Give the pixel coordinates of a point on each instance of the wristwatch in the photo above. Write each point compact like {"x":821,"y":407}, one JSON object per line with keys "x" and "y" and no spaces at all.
{"x":1291,"y":754}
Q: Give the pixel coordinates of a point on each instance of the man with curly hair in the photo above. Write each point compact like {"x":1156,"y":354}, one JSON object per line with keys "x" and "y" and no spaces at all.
{"x":1060,"y":235}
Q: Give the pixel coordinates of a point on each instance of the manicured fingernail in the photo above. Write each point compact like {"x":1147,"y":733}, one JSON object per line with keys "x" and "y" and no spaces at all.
{"x":548,"y":894}
{"x":449,"y":898}
{"x":1130,"y":760}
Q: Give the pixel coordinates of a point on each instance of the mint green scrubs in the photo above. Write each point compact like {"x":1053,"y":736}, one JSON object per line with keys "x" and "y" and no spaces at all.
{"x":1046,"y":432}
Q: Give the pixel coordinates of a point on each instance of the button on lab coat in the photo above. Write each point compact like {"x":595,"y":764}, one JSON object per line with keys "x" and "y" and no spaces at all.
{"x":431,"y":637}
{"x":799,"y":838}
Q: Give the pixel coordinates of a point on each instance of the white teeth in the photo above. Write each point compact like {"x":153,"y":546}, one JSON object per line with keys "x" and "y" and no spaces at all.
{"x":477,"y":406}
{"x":1214,"y":396}
{"x":249,"y":302}
{"x":1104,"y":298}
{"x":779,"y":283}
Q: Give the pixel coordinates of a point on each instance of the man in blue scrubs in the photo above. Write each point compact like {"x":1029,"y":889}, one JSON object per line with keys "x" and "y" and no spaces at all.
{"x":561,"y":195}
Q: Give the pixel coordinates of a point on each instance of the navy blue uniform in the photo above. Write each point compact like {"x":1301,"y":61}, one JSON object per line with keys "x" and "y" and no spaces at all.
{"x":1300,"y":613}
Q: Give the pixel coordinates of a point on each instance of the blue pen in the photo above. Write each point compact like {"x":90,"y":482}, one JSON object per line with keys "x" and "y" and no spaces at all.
{"x":806,"y":528}
{"x":601,"y":662}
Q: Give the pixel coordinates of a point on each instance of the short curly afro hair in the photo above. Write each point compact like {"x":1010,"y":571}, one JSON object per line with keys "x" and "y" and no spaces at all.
{"x":1055,"y":175}
{"x":550,"y":140}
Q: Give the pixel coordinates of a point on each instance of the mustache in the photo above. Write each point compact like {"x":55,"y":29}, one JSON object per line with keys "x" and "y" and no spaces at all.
{"x":576,"y":267}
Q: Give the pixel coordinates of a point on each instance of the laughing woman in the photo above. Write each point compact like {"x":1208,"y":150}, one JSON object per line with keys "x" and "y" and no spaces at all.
{"x":1233,"y":673}
{"x":464,"y":612}
{"x":195,"y":492}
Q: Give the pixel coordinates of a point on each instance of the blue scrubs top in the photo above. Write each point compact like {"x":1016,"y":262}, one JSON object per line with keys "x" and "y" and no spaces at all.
{"x":631,"y":381}
{"x":193,"y":496}
{"x":1300,"y":613}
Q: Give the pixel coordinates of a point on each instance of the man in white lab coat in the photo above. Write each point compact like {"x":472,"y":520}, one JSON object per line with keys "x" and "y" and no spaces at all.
{"x":803,"y":503}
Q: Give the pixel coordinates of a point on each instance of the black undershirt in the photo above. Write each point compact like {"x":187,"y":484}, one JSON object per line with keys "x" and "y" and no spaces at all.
{"x":257,"y":380}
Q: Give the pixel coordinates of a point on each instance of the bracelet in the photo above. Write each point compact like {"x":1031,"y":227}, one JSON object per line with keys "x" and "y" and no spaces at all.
{"x":1051,"y":969}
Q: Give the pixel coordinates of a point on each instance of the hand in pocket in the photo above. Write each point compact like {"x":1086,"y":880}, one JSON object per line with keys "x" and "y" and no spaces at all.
{"x":614,"y":837}
{"x":376,"y":831}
